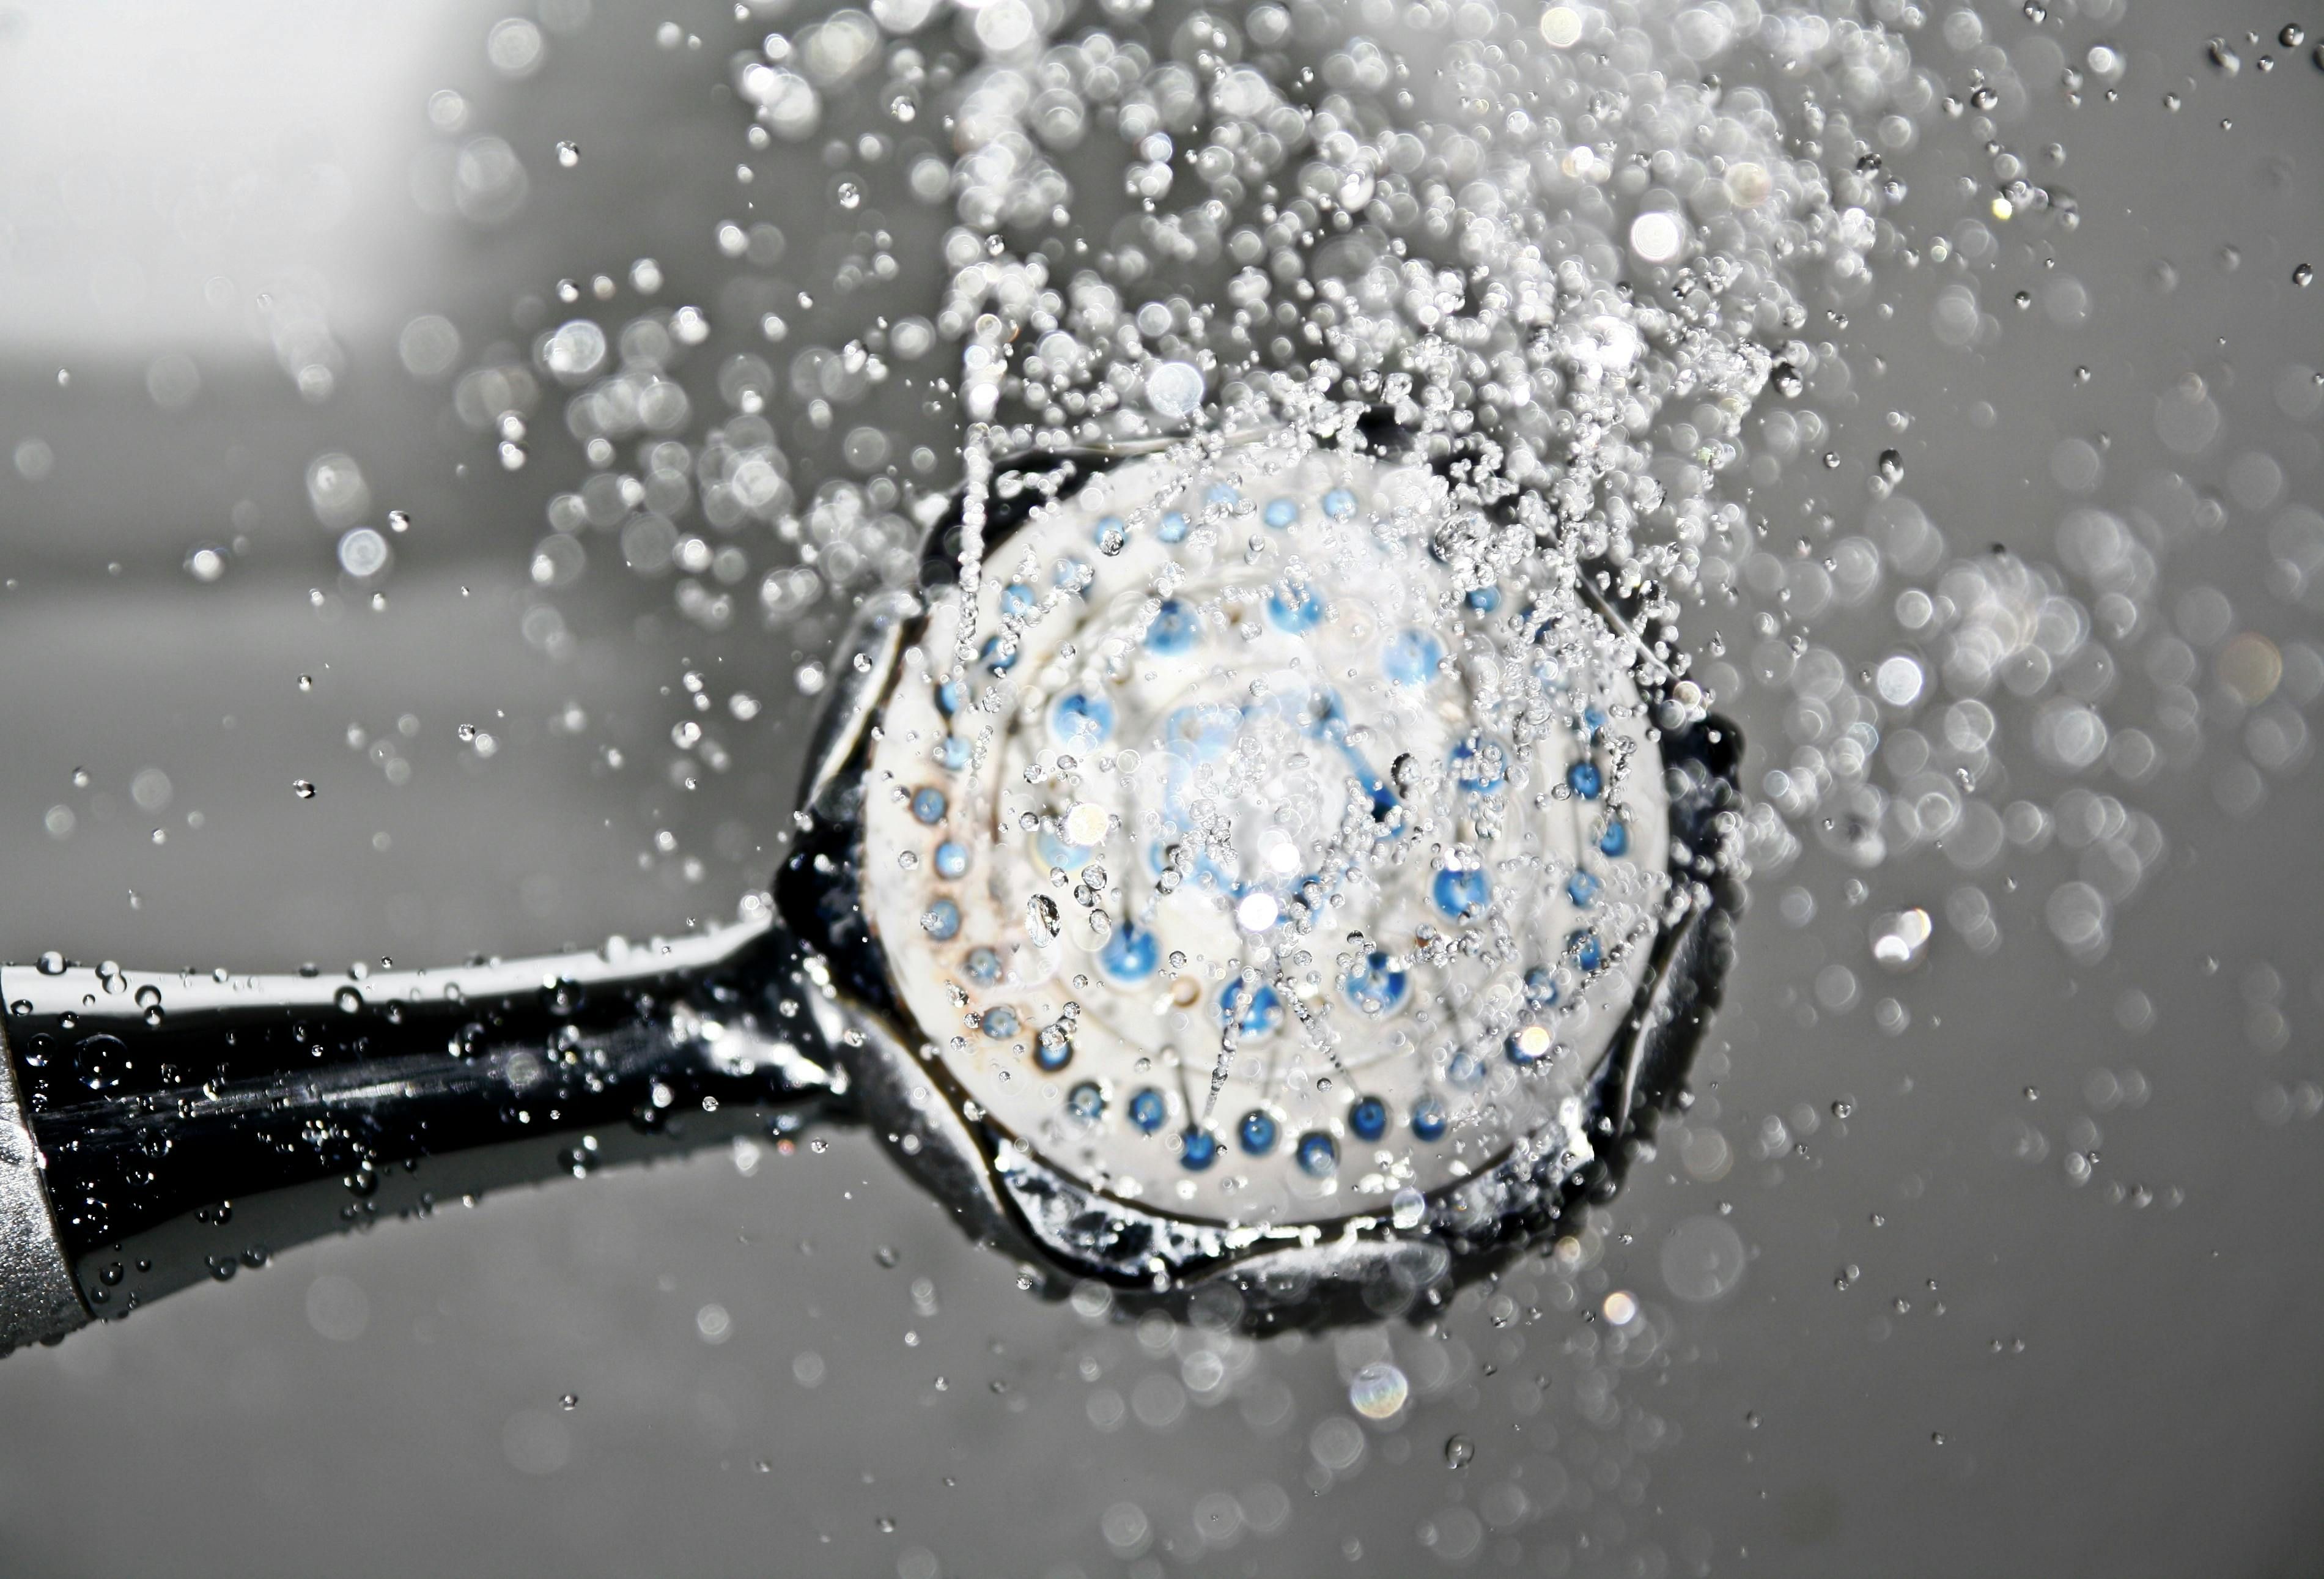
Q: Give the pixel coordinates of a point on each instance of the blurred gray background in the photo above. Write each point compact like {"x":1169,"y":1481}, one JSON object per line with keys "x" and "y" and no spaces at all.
{"x":1951,"y":1350}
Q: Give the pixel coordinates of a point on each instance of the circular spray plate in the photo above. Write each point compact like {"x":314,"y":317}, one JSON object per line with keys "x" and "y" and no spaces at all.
{"x":1232,"y":858}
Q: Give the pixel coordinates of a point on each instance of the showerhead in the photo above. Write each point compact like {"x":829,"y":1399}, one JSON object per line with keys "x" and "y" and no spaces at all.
{"x":1264,"y":869}
{"x":1225,"y":880}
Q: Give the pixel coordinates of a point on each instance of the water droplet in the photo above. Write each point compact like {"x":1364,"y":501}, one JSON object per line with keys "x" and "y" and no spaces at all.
{"x":568,"y":154}
{"x":1378,"y":1392}
{"x":1407,"y":1208}
{"x":1175,"y":390}
{"x":571,"y":1401}
{"x":303,"y":789}
{"x":1459,"y":1451}
{"x":1900,"y":940}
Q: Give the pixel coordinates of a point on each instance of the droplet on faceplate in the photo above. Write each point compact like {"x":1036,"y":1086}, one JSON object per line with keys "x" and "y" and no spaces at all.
{"x":1900,"y":679}
{"x":1085,"y":825}
{"x":303,"y":789}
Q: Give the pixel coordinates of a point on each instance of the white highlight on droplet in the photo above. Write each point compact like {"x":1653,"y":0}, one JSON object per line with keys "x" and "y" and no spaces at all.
{"x":1258,"y":912}
{"x":1657,"y":236}
{"x":1899,"y":939}
{"x":1175,"y":390}
{"x":1006,"y":25}
{"x":1085,"y":824}
{"x":1561,"y":27}
{"x":1900,"y":680}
